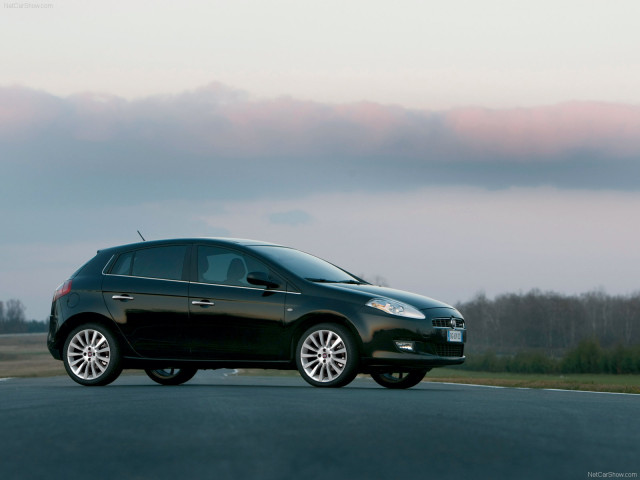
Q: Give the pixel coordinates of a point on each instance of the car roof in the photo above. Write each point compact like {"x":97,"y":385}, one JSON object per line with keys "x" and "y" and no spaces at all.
{"x":214,"y":240}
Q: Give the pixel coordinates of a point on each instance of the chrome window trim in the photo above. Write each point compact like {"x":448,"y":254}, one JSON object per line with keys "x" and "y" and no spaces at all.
{"x":107,"y":264}
{"x":200,"y":283}
{"x":243,"y":287}
{"x":146,"y":278}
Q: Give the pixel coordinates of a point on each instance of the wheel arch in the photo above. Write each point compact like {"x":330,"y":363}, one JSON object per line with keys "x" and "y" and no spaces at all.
{"x":85,"y":318}
{"x":314,"y":319}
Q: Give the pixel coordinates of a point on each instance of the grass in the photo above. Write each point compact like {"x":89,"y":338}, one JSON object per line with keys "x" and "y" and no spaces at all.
{"x":577,"y":381}
{"x":27,"y":356}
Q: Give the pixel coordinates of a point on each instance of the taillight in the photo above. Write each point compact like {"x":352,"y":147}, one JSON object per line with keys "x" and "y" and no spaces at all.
{"x":62,"y":290}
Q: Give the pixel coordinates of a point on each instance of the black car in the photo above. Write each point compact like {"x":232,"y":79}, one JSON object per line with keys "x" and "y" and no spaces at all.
{"x":172,"y":307}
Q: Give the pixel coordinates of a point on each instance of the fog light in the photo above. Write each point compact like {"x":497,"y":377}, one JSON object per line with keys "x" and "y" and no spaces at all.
{"x":405,"y":346}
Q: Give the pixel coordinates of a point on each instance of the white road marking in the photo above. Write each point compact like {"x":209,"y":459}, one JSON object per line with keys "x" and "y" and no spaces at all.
{"x":528,"y":388}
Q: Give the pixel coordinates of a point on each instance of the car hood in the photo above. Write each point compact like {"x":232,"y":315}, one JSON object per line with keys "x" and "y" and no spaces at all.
{"x":418,"y":301}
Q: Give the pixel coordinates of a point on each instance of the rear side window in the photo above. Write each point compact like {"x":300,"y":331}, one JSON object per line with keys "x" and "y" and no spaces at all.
{"x":158,"y":262}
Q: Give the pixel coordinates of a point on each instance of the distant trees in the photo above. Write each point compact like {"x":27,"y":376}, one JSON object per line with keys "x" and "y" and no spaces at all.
{"x":14,"y":320}
{"x":587,"y":357}
{"x":546,"y":332}
{"x":549,"y":322}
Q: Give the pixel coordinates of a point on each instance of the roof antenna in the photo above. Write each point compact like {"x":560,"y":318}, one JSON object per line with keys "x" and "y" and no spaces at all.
{"x":141,"y":235}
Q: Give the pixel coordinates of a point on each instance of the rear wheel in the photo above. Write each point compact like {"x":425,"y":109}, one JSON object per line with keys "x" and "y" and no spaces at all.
{"x":171,"y":376}
{"x":92,"y":355}
{"x":327,"y":356}
{"x":399,"y":379}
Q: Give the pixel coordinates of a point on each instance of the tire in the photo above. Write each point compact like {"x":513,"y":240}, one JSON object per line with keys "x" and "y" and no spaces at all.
{"x":327,"y":356}
{"x":91,"y":355}
{"x":171,"y":376}
{"x":399,"y":379}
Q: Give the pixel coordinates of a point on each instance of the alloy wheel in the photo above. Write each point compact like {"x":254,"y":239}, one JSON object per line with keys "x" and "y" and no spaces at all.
{"x":88,"y":354}
{"x":324,"y":355}
{"x":171,"y":376}
{"x":399,"y":380}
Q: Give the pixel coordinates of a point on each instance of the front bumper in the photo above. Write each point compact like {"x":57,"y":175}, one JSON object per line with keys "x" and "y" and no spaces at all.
{"x":430,"y":338}
{"x":392,"y":362}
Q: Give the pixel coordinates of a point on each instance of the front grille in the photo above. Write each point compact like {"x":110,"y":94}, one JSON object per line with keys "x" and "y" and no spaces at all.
{"x":444,"y":350}
{"x":446,"y":322}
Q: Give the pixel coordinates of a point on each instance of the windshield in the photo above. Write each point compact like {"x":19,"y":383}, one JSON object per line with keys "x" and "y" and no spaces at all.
{"x":305,"y":265}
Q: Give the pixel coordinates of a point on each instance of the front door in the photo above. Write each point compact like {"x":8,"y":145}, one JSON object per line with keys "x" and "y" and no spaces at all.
{"x":231,"y":319}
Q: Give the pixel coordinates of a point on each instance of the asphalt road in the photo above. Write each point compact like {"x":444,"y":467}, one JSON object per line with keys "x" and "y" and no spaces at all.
{"x":223,"y":426}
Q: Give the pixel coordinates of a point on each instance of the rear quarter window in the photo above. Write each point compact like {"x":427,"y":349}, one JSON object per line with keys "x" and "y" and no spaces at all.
{"x":123,"y":264}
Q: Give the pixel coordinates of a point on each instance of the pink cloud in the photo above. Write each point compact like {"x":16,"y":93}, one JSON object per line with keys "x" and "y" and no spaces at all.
{"x":23,"y":111}
{"x":544,"y":131}
{"x":221,"y":121}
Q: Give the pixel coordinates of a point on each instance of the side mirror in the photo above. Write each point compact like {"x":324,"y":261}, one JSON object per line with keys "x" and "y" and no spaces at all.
{"x":260,"y":279}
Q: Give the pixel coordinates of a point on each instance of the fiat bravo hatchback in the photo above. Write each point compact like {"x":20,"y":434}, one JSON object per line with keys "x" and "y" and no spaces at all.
{"x":172,"y":307}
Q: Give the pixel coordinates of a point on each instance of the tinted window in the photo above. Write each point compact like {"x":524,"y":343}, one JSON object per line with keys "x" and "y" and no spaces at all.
{"x":123,"y":264}
{"x":158,"y":262}
{"x":226,"y":267}
{"x":305,"y":265}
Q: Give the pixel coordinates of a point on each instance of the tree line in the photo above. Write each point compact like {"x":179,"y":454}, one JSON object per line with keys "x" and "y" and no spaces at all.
{"x":14,"y":320}
{"x":549,"y":322}
{"x":587,"y":357}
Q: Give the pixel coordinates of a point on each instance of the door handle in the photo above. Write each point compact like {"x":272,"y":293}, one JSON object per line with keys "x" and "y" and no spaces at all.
{"x":123,"y":298}
{"x":203,"y":303}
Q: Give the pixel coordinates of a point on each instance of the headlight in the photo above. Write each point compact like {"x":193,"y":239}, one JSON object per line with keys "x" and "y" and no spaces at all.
{"x":393,"y":307}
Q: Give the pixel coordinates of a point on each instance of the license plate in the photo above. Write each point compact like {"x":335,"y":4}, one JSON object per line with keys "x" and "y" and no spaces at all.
{"x":454,"y":336}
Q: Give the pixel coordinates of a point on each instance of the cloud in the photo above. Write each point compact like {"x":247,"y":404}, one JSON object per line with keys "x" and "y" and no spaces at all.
{"x":552,"y":131}
{"x":216,"y":142}
{"x":24,"y":111}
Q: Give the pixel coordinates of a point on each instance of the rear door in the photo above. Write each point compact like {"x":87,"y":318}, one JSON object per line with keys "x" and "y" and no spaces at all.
{"x":146,"y":293}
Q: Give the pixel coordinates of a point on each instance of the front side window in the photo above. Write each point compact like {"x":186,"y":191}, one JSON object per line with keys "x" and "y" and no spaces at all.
{"x":225,"y":267}
{"x":157,"y":262}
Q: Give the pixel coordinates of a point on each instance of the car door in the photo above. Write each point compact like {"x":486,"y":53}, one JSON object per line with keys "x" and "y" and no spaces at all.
{"x":146,"y":293}
{"x":231,"y":319}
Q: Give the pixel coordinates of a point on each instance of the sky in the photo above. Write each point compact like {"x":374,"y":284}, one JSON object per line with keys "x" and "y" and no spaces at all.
{"x":449,"y":148}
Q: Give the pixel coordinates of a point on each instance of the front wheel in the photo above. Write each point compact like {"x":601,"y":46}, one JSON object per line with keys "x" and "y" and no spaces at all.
{"x":327,"y":356}
{"x":399,"y":379}
{"x":92,"y":355}
{"x":171,"y":376}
